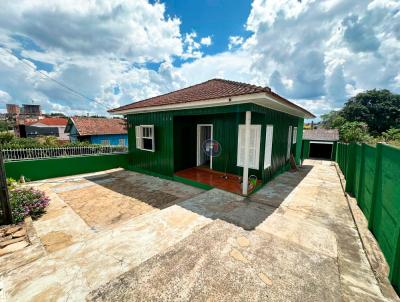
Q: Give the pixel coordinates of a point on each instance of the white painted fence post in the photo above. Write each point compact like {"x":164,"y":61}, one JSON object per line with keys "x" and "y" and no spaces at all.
{"x":246,"y":153}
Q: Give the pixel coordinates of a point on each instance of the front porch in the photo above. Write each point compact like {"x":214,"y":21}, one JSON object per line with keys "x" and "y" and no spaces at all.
{"x":224,"y":181}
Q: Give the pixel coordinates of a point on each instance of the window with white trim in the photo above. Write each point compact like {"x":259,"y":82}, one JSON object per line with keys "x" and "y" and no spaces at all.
{"x":269,"y":133}
{"x":289,"y":142}
{"x":105,"y":142}
{"x":254,"y":146}
{"x":294,"y":135}
{"x":122,"y":142}
{"x":145,"y":137}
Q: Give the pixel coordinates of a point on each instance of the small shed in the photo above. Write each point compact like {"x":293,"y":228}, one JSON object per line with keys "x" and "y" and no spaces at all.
{"x":320,"y":143}
{"x":219,"y":133}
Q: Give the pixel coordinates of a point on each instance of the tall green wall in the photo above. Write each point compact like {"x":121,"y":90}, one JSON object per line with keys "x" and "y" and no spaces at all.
{"x":372,"y":177}
{"x":175,"y":138}
{"x":37,"y":169}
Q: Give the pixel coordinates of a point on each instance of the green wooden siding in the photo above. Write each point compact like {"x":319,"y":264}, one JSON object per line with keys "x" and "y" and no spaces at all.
{"x":176,"y":134}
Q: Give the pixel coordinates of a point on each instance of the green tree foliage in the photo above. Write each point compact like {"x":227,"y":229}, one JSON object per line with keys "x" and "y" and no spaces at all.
{"x":10,"y":141}
{"x":379,"y":109}
{"x":3,"y":126}
{"x":354,"y":132}
{"x":332,"y":120}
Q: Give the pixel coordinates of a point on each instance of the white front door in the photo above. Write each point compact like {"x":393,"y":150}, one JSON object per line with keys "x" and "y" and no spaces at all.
{"x":204,"y":134}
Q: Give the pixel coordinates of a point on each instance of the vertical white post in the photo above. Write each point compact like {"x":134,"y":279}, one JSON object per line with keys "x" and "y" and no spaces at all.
{"x":246,"y":153}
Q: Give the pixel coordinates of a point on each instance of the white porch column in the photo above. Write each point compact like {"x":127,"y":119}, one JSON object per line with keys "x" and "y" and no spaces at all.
{"x":246,"y":153}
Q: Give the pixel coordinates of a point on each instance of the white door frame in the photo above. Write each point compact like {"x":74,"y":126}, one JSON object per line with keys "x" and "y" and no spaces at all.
{"x":199,"y":145}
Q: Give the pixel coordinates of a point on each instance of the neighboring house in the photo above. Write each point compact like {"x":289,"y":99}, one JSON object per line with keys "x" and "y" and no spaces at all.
{"x":320,"y":143}
{"x":252,"y":130}
{"x":102,"y":131}
{"x":47,"y":126}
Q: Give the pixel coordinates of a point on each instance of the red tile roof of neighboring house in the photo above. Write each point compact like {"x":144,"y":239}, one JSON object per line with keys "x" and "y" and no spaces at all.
{"x":50,"y":121}
{"x":212,"y":89}
{"x":98,"y":126}
{"x":321,"y":135}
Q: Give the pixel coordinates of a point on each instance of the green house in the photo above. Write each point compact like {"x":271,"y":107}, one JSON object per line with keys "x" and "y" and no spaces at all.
{"x":219,"y":133}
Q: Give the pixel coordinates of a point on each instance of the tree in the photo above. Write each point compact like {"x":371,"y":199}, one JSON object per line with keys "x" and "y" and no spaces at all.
{"x":354,"y":132}
{"x":379,"y":109}
{"x":332,"y":120}
{"x":4,"y":126}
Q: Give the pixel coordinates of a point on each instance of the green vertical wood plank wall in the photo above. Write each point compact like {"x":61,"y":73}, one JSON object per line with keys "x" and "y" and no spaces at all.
{"x":175,"y":135}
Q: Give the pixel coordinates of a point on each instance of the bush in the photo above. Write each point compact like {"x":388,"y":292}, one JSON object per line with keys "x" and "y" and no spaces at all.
{"x":27,"y":201}
{"x":354,"y":132}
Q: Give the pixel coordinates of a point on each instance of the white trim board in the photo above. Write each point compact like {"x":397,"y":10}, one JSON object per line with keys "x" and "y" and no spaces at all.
{"x":321,"y":142}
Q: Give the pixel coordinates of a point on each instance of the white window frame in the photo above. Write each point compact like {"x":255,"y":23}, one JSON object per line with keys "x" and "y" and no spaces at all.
{"x":294,"y":135}
{"x":199,"y":150}
{"x":269,"y":138}
{"x":289,"y":142}
{"x":253,"y":146}
{"x":139,"y":137}
{"x":105,"y":142}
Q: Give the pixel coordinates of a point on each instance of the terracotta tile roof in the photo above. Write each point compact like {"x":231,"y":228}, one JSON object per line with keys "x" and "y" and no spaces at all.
{"x":212,"y":89}
{"x":321,"y":135}
{"x":98,"y":126}
{"x":50,"y":121}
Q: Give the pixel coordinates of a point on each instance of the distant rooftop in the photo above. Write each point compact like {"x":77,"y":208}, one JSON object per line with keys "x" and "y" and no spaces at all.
{"x":97,"y":126}
{"x":321,"y":135}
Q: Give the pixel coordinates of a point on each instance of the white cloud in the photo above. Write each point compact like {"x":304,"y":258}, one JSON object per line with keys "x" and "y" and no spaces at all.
{"x":206,"y":41}
{"x":235,"y":41}
{"x":123,"y":28}
{"x":4,"y":97}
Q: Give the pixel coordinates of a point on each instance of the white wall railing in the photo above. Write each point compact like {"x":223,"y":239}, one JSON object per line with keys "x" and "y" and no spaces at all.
{"x":39,"y":153}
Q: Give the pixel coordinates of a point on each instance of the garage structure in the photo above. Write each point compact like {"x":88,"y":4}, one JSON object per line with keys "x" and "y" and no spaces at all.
{"x":225,"y":134}
{"x":320,"y":143}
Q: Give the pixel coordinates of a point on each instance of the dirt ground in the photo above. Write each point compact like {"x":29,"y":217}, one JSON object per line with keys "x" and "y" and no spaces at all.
{"x":123,"y":236}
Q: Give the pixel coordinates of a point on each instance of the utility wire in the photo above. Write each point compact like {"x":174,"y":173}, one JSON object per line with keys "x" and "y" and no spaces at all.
{"x":56,"y":81}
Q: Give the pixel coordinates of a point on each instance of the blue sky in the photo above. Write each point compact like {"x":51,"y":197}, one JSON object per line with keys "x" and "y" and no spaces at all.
{"x":315,"y":53}
{"x":214,"y":18}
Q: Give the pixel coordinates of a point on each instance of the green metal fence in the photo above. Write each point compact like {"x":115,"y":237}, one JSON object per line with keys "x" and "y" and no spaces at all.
{"x":373,"y":178}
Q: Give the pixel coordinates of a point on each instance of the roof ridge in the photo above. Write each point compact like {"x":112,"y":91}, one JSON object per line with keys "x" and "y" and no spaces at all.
{"x":267,"y":89}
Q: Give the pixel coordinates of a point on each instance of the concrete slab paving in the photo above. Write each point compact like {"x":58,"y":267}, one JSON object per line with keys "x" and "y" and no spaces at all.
{"x":300,"y":245}
{"x":212,"y":265}
{"x":70,"y":274}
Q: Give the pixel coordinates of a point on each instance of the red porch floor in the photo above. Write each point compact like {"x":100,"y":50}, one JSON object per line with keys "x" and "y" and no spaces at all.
{"x":216,"y":179}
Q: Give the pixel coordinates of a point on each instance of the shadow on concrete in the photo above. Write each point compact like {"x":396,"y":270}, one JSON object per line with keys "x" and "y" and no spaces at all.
{"x":245,"y":212}
{"x":150,"y":190}
{"x":248,"y":212}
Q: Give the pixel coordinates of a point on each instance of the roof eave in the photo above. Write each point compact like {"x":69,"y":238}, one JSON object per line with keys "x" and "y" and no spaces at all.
{"x":257,"y":98}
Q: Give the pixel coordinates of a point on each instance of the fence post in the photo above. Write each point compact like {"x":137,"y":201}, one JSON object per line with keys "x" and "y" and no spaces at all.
{"x":377,"y":186}
{"x":350,"y":168}
{"x":360,"y":190}
{"x":4,"y":198}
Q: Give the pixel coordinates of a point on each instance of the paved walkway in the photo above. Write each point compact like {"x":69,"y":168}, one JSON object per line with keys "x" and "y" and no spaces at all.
{"x":301,"y":245}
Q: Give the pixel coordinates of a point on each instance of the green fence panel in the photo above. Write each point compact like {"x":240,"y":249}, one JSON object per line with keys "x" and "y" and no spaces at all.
{"x":386,"y":216}
{"x":357,"y":170}
{"x":367,"y":180}
{"x":373,"y":176}
{"x":350,"y":168}
{"x":37,"y":169}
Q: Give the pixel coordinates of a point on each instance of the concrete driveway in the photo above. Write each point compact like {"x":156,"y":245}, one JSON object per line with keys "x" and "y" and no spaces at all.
{"x":131,"y":237}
